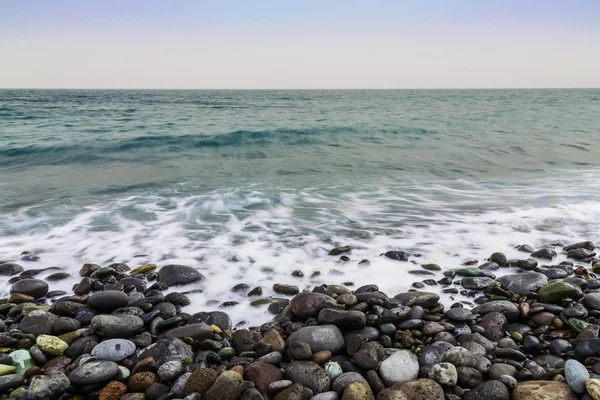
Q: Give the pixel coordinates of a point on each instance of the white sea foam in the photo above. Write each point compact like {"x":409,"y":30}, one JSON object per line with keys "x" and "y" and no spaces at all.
{"x":259,"y":237}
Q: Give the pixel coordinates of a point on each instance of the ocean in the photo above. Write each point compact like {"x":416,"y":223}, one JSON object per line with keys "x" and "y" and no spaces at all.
{"x":248,"y":186}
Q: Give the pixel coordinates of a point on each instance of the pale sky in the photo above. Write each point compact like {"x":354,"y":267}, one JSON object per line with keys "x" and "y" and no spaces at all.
{"x":308,"y":44}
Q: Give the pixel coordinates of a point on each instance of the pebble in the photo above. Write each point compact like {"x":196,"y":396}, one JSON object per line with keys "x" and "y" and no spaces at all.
{"x":402,"y":366}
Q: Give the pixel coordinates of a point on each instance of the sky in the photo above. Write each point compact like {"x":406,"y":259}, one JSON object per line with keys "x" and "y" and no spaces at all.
{"x":288,"y":44}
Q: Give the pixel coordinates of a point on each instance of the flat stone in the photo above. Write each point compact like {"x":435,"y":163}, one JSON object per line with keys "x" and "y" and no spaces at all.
{"x":93,"y":372}
{"x":35,"y":288}
{"x":114,"y":350}
{"x":198,"y":332}
{"x":108,"y":301}
{"x":529,"y":282}
{"x":38,"y":322}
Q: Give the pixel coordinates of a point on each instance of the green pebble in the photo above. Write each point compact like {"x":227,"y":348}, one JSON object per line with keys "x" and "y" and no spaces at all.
{"x":470,"y":272}
{"x":51,"y":345}
{"x":22,"y":361}
{"x":431,"y":267}
{"x":123,"y":374}
{"x":388,"y":329}
{"x":103,"y":272}
{"x":15,"y":393}
{"x":578,"y":324}
{"x":226,"y":352}
{"x":556,"y":291}
{"x":336,"y":289}
{"x":7,"y":369}
{"x":333,"y":369}
{"x":260,"y":302}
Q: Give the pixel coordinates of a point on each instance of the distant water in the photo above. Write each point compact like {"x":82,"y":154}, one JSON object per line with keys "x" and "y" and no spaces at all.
{"x":248,"y":186}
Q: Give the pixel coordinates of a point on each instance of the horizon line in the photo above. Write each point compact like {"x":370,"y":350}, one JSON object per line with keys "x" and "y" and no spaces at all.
{"x":308,"y":89}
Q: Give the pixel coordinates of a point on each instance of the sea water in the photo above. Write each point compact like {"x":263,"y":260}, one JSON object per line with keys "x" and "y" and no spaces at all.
{"x":249,"y":186}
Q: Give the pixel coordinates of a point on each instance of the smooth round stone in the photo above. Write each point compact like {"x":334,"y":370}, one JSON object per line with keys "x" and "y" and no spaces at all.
{"x":388,"y":329}
{"x":576,"y":375}
{"x":38,"y":322}
{"x":108,"y":301}
{"x":93,"y":372}
{"x":114,"y":350}
{"x":176,"y":275}
{"x":319,"y":337}
{"x":402,"y":366}
{"x":9,"y":269}
{"x":35,"y":288}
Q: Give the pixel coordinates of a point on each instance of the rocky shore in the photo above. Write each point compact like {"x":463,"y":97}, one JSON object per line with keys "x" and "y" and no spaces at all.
{"x":124,"y":334}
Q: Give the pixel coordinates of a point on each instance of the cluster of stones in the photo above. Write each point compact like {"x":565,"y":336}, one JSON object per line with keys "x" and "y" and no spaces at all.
{"x":533,"y":335}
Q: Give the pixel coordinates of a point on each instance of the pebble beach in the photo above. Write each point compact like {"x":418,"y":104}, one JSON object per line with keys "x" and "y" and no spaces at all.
{"x":125,"y":332}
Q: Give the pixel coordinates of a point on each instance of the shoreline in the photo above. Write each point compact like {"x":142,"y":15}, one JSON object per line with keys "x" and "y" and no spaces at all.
{"x":118,"y":336}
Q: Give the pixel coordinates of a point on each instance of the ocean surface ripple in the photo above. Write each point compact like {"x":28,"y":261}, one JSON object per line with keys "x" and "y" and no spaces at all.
{"x":248,"y":186}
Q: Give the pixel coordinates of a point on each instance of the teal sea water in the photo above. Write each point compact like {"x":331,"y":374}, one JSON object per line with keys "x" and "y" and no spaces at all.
{"x":248,"y":186}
